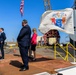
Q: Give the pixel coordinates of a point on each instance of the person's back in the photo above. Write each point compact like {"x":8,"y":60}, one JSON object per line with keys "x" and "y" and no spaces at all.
{"x":34,"y":38}
{"x":24,"y":37}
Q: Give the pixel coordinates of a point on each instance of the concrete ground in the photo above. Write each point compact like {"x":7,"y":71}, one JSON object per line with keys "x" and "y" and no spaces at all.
{"x":45,"y":62}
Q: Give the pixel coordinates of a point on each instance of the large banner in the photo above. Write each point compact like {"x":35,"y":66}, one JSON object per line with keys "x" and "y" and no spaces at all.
{"x":57,"y":19}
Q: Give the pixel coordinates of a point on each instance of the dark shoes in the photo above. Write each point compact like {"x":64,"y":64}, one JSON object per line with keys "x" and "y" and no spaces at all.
{"x":24,"y":68}
{"x":1,"y":58}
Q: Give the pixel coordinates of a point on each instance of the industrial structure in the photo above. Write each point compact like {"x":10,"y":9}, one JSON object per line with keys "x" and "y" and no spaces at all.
{"x":52,"y":33}
{"x":47,"y":5}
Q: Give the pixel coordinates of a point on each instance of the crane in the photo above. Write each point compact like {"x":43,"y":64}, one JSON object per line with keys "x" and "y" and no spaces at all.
{"x":47,"y":5}
{"x":52,"y":33}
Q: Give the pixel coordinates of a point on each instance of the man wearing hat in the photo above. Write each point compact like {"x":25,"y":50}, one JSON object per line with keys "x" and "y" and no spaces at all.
{"x":23,"y":40}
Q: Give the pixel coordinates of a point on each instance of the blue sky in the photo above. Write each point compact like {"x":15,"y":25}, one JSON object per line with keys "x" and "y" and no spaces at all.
{"x":10,"y":18}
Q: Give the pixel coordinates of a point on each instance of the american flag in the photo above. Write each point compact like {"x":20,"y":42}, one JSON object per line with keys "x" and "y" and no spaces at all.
{"x":22,"y":7}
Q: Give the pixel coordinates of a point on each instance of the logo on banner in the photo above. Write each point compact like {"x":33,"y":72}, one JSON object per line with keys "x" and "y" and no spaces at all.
{"x":59,"y":19}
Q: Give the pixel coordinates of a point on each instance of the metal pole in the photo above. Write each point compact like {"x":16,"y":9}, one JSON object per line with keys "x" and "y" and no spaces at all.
{"x":74,"y":30}
{"x":55,"y":51}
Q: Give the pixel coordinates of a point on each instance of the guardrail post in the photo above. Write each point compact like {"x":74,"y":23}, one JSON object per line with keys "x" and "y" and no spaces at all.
{"x":55,"y":51}
{"x":74,"y":56}
{"x":67,"y":52}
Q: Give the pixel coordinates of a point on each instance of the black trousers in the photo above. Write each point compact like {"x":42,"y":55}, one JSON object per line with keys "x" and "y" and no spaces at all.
{"x":2,"y":49}
{"x":24,"y":55}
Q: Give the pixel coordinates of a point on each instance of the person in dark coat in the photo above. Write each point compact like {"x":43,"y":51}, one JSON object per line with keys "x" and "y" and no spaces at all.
{"x":24,"y":39}
{"x":2,"y":39}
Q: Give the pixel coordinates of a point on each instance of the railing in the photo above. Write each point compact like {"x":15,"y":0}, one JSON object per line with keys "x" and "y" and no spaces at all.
{"x":65,"y":50}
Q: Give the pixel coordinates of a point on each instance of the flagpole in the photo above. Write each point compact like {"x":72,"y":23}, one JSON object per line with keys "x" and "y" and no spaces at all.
{"x":74,"y":7}
{"x":74,"y":25}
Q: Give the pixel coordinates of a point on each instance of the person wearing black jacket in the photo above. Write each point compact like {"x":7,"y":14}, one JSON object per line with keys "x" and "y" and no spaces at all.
{"x":24,"y":39}
{"x":2,"y":39}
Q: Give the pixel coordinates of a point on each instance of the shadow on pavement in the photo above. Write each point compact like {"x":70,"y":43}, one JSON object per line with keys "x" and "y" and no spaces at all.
{"x":17,"y":55}
{"x":16,"y":63}
{"x":1,"y":73}
{"x":42,"y":59}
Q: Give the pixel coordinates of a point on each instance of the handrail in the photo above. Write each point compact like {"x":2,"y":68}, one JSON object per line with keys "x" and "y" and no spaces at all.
{"x":55,"y":51}
{"x":72,"y":46}
{"x":65,"y":50}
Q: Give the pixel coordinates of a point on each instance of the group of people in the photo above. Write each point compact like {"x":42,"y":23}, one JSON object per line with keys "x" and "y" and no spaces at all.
{"x":26,"y":44}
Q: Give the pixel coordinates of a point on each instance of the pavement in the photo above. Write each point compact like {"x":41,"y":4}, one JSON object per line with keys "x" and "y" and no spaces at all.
{"x":45,"y":63}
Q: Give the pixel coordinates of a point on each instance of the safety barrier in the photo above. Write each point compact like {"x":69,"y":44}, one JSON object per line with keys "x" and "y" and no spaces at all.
{"x":64,"y":48}
{"x":73,"y":51}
